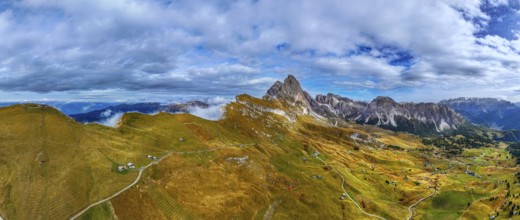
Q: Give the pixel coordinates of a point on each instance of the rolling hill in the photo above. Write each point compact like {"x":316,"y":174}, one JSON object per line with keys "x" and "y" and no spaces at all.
{"x":265,"y":159}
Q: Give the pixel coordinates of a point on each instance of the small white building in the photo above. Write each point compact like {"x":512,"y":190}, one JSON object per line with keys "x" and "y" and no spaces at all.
{"x":121,"y":168}
{"x":130,"y":165}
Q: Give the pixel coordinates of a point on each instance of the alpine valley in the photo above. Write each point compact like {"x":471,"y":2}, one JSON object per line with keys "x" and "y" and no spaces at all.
{"x":286,"y":155}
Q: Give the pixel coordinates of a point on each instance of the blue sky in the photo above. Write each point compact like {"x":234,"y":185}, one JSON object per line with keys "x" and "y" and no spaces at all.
{"x":158,"y":50}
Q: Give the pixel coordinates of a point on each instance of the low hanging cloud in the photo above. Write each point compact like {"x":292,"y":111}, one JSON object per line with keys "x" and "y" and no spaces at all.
{"x":112,"y":120}
{"x":214,"y":111}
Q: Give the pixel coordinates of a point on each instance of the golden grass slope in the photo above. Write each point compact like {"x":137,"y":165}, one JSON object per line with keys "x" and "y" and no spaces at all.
{"x":259,"y":162}
{"x":52,"y":166}
{"x":281,"y":179}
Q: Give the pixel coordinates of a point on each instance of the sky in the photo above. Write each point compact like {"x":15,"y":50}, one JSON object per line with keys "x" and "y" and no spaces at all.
{"x":163,"y":50}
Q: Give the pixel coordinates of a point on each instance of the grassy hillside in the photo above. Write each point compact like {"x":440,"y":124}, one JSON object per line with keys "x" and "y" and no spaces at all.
{"x":261,"y":161}
{"x":52,"y":166}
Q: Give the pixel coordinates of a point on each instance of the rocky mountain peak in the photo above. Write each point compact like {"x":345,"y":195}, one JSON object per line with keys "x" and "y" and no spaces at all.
{"x":291,"y":92}
{"x":383,"y":100}
{"x":275,"y":89}
{"x":289,"y":88}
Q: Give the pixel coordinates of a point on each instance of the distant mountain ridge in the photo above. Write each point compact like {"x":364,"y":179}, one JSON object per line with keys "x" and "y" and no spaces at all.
{"x":70,"y":107}
{"x":145,"y":108}
{"x":490,"y":112}
{"x":477,"y":106}
{"x":418,"y":118}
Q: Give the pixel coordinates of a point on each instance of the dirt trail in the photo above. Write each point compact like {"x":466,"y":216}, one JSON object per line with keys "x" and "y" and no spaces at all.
{"x":417,"y":203}
{"x":142,"y":169}
{"x":345,"y":191}
{"x":272,"y":208}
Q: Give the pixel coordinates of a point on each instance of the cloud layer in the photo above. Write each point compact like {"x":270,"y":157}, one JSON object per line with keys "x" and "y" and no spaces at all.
{"x":357,"y":48}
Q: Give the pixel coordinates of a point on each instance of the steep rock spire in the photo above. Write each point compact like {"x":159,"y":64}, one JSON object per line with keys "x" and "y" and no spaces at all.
{"x":291,"y":92}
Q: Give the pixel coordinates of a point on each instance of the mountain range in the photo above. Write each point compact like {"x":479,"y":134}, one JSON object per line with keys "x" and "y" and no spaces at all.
{"x":417,"y":118}
{"x":70,"y":107}
{"x":494,"y":113}
{"x":104,"y":114}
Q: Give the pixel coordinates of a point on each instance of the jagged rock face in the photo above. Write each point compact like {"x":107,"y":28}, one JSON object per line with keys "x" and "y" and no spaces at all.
{"x":382,"y":111}
{"x":385,"y":112}
{"x":275,"y":89}
{"x":334,"y":105}
{"x":411,"y":117}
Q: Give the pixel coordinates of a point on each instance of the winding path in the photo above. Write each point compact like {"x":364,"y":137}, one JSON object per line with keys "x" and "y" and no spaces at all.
{"x":359,"y":207}
{"x":417,"y":203}
{"x":124,"y":189}
{"x":345,"y":191}
{"x":141,"y":170}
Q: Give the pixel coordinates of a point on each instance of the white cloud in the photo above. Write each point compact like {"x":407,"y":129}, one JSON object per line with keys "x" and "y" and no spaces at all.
{"x":219,"y":100}
{"x":362,"y":66}
{"x":215,"y":109}
{"x":213,"y":112}
{"x":106,"y":113}
{"x":498,"y":2}
{"x":229,"y":47}
{"x":112,"y":120}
